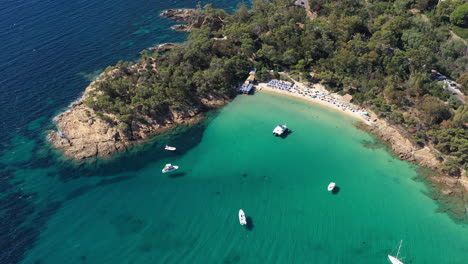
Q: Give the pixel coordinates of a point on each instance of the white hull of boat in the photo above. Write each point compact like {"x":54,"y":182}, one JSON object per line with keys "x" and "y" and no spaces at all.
{"x":173,"y":168}
{"x":331,"y":186}
{"x":242,"y":219}
{"x":394,"y":260}
{"x":170,"y":148}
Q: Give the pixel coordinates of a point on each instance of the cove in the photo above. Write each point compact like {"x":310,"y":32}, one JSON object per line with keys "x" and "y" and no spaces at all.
{"x":121,"y":213}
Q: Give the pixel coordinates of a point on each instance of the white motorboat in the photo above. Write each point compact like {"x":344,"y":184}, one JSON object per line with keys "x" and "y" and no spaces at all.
{"x":396,"y":259}
{"x":170,"y":148}
{"x":242,"y":219}
{"x":331,"y":186}
{"x":169,"y":167}
{"x":280,"y":130}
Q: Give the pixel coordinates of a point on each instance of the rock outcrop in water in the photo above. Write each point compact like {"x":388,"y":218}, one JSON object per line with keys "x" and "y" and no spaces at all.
{"x":193,"y":18}
{"x":164,"y":47}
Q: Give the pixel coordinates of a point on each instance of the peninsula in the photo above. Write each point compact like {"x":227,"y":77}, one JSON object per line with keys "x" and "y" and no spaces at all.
{"x":387,"y":56}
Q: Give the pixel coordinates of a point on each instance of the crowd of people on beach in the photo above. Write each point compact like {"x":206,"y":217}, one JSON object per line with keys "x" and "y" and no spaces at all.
{"x":321,"y":95}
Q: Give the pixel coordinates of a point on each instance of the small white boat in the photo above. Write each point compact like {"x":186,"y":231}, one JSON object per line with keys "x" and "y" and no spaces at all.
{"x":396,"y":259}
{"x":169,"y":167}
{"x":170,"y":148}
{"x":331,"y":186}
{"x":242,"y":219}
{"x":280,"y":130}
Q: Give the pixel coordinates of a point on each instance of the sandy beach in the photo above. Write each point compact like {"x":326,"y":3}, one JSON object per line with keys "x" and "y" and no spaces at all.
{"x":320,"y":96}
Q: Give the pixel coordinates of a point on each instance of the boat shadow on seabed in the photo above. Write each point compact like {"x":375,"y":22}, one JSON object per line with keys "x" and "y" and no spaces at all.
{"x":250,"y":224}
{"x":336,"y":190}
{"x":286,"y":134}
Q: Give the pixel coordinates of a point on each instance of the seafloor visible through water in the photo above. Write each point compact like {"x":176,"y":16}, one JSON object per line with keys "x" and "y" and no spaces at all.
{"x":126,"y":211}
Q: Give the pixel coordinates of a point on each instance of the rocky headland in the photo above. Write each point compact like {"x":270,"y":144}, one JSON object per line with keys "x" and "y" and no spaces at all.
{"x":81,"y":133}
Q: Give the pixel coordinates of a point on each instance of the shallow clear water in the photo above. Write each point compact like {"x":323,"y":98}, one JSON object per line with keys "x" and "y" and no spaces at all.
{"x":139,"y":215}
{"x":126,"y":211}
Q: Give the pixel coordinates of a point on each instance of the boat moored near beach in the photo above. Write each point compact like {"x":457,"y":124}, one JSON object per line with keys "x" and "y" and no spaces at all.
{"x":242,"y":219}
{"x":331,"y":186}
{"x":169,"y":167}
{"x":280,"y":130}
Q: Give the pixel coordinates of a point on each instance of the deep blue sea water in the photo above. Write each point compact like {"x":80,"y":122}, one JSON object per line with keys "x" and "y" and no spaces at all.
{"x":126,"y":211}
{"x":49,"y":52}
{"x":50,"y":49}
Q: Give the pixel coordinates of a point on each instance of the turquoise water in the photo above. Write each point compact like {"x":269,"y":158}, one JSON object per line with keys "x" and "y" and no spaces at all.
{"x":127,"y":211}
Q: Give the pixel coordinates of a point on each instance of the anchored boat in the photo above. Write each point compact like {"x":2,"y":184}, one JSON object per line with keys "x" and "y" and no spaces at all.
{"x":169,"y":167}
{"x":170,"y":148}
{"x":331,"y":186}
{"x":396,"y":259}
{"x":280,"y":130}
{"x":242,"y":219}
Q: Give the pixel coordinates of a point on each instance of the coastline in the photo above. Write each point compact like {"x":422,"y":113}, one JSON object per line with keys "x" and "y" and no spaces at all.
{"x":264,"y":88}
{"x":83,"y":133}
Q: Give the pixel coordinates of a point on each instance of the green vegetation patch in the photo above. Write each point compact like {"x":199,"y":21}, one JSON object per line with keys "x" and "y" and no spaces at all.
{"x":461,"y":32}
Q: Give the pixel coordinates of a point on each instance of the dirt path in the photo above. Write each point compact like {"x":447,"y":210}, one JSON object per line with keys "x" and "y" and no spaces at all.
{"x":455,"y":36}
{"x":311,"y":15}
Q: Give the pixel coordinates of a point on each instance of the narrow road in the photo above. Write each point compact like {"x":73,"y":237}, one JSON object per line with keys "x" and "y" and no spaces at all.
{"x":455,"y":36}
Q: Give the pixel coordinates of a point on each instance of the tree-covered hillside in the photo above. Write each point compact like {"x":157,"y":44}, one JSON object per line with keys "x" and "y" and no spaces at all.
{"x":381,"y":52}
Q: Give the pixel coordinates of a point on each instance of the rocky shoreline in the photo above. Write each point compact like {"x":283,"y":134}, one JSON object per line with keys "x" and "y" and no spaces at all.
{"x":192,"y":18}
{"x":81,"y":134}
{"x":450,"y":192}
{"x":164,"y":47}
{"x":186,"y":16}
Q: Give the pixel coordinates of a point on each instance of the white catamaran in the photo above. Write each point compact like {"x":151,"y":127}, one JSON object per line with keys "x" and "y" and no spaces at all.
{"x":396,"y":259}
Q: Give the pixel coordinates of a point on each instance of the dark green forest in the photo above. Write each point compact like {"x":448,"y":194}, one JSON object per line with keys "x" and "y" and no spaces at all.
{"x":381,"y":52}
